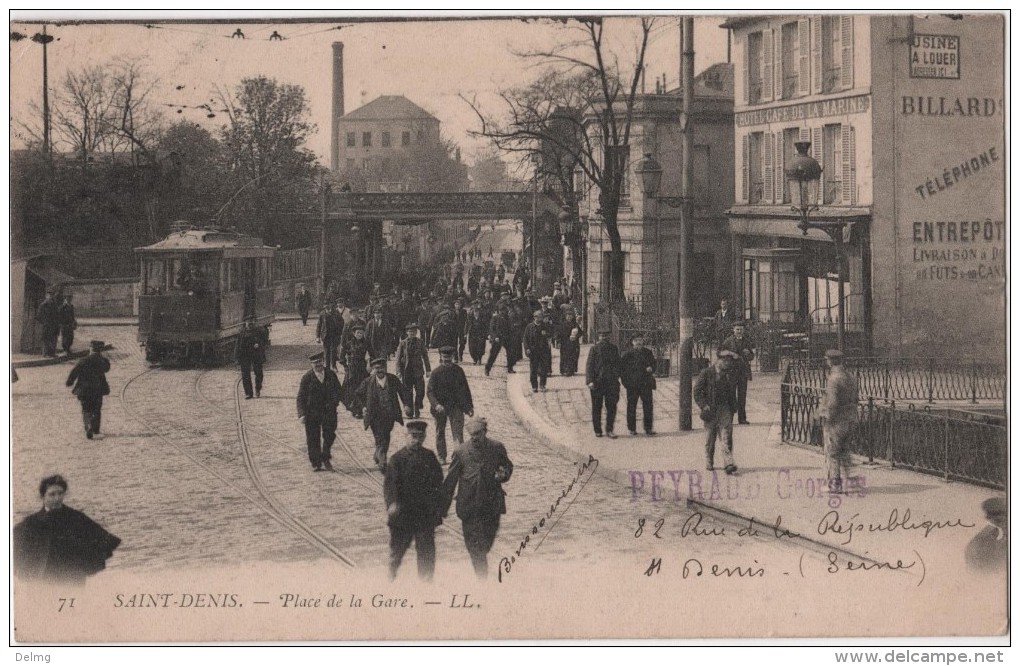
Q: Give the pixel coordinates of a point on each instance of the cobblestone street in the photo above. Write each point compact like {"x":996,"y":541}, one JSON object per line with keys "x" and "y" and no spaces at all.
{"x":172,"y":479}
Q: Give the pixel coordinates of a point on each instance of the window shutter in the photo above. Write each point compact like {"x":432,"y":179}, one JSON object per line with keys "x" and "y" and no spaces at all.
{"x":768,"y":158}
{"x":780,"y":165}
{"x":816,"y":54}
{"x":745,"y":71}
{"x":846,"y":36}
{"x":805,"y":134}
{"x":744,"y":165}
{"x":767,"y":60}
{"x":849,"y":165}
{"x":816,"y":152}
{"x":777,"y":51}
{"x":803,"y":57}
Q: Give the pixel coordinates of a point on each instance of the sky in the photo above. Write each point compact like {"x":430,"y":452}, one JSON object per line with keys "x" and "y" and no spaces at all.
{"x":433,"y":63}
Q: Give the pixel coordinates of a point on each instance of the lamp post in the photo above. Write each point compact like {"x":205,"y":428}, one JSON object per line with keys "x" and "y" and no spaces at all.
{"x":649,"y":172}
{"x":805,"y":171}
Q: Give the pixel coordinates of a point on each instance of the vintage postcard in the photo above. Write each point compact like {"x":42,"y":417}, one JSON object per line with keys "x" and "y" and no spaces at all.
{"x":479,"y":327}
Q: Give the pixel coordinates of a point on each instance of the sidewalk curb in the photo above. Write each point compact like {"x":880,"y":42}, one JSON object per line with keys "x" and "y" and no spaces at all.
{"x":102,"y":321}
{"x":516,"y":385}
{"x":56,"y":360}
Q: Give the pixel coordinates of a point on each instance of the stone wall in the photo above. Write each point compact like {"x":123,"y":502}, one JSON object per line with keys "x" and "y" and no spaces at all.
{"x":114,"y":297}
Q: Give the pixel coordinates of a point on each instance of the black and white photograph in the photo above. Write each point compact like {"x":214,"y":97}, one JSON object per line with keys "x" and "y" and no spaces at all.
{"x":488,"y":327}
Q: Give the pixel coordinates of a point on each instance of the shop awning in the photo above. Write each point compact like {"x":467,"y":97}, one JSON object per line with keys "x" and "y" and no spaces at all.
{"x":781,"y":221}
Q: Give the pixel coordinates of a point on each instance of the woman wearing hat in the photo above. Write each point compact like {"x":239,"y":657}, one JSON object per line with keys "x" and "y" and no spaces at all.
{"x":89,"y":381}
{"x":355,"y":358}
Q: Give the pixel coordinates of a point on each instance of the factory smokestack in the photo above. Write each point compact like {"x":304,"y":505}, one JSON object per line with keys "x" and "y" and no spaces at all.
{"x":338,"y":103}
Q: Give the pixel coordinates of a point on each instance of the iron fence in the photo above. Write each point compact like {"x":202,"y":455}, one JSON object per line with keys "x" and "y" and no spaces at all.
{"x":951,"y":443}
{"x":929,"y":380}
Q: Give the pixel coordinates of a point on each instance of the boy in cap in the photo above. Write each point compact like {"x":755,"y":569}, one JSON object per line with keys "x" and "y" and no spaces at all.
{"x":317,"y":400}
{"x":450,"y":398}
{"x":382,"y":393}
{"x":602,"y":375}
{"x":412,"y":368}
{"x":838,"y":409}
{"x":413,"y":491}
{"x":715,"y":392}
{"x":478,"y":473}
{"x":88,"y":377}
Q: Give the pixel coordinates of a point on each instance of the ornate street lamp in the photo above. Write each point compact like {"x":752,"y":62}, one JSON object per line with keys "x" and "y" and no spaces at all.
{"x":649,"y":172}
{"x":565,"y":221}
{"x":805,"y":171}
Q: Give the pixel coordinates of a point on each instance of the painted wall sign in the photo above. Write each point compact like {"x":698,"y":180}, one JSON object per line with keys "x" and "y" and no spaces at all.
{"x":830,"y":107}
{"x":935,"y":57}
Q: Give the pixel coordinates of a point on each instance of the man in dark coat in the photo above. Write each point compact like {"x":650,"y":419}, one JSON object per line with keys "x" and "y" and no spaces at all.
{"x":478,"y":473}
{"x":413,"y":491}
{"x":48,"y":316}
{"x":568,"y":336}
{"x":637,"y":371}
{"x":715,"y":392}
{"x":499,"y":333}
{"x":460,"y":317}
{"x":514,"y":341}
{"x":355,"y":357}
{"x":536,"y":346}
{"x":450,"y":399}
{"x":251,"y":355}
{"x":88,"y":377}
{"x":304,"y":304}
{"x":377,"y":332}
{"x":602,"y":375}
{"x":68,"y":323}
{"x":444,"y":333}
{"x":742,"y":346}
{"x":382,"y":393}
{"x":413,"y":368}
{"x":317,"y":400}
{"x":329,"y":332}
{"x":476,"y":330}
{"x":58,"y":543}
{"x":723,"y":320}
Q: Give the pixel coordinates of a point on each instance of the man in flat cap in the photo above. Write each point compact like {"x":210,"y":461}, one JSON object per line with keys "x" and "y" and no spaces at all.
{"x":68,"y":323}
{"x":460,"y":320}
{"x":477,"y":474}
{"x":499,"y":335}
{"x":740,"y":344}
{"x":304,"y":304}
{"x":477,"y":330}
{"x":602,"y":376}
{"x":413,"y":490}
{"x":715,"y":393}
{"x":88,"y":377}
{"x":536,"y":346}
{"x":988,"y":552}
{"x":251,"y":356}
{"x":838,"y":411}
{"x":317,"y":400}
{"x":329,"y":333}
{"x":412,"y":369}
{"x":381,"y":393}
{"x":48,"y":316}
{"x":638,"y":375}
{"x":450,"y":398}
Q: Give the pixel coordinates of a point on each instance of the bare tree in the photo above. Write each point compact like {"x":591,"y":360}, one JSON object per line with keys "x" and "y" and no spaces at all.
{"x":132,"y":123}
{"x":82,"y":108}
{"x":578,"y":113}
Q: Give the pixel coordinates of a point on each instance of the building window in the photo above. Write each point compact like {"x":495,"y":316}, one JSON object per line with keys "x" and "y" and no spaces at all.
{"x":366,"y":139}
{"x":621,"y":162}
{"x":350,"y":164}
{"x":755,"y":61}
{"x":770,"y":288}
{"x":385,"y":139}
{"x":755,"y":167}
{"x":365,"y":164}
{"x":607,"y":274}
{"x":831,"y":61}
{"x":405,"y":138}
{"x":702,"y":177}
{"x":789,"y":63}
{"x":351,"y":143}
{"x":832,"y":164}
